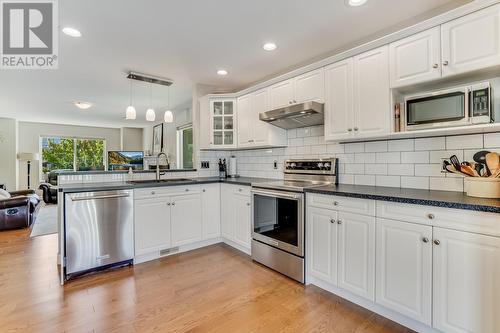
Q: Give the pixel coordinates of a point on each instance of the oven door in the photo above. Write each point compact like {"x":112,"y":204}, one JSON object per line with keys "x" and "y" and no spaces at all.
{"x":278,"y":219}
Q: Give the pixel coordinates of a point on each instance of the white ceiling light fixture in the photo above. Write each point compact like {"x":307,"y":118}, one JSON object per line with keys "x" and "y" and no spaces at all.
{"x":355,"y":3}
{"x":269,"y":46}
{"x":169,"y":116}
{"x":130,"y":113}
{"x":82,"y":105}
{"x":150,"y":113}
{"x":72,"y":32}
{"x":222,"y":72}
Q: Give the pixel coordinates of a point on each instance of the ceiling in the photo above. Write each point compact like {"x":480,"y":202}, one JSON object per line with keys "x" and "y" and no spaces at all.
{"x":186,"y":41}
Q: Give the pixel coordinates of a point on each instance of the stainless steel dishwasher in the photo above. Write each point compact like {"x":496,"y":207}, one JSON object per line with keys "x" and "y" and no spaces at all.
{"x":99,"y":230}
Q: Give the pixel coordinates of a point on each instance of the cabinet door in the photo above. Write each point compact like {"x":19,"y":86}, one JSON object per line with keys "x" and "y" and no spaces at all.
{"x":471,"y":42}
{"x":372,"y":109}
{"x":151,"y":225}
{"x":339,"y":107}
{"x":466,"y":286}
{"x":210,"y":211}
{"x":204,"y":124}
{"x":310,"y":87}
{"x":227,"y":223}
{"x":404,"y":268}
{"x":242,"y":219}
{"x":261,"y":130}
{"x":222,"y":123}
{"x":321,"y":231}
{"x":186,"y":219}
{"x":281,"y":94}
{"x":416,"y":58}
{"x":246,"y":121}
{"x":356,"y":254}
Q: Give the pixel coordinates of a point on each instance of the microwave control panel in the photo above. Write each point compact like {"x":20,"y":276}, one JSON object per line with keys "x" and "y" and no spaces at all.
{"x":480,"y":103}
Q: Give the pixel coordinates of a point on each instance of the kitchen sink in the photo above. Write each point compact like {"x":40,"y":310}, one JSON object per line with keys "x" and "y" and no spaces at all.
{"x":161,"y":181}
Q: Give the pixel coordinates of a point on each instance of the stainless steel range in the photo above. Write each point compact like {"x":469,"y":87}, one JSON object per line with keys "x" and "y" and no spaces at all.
{"x":278,"y":214}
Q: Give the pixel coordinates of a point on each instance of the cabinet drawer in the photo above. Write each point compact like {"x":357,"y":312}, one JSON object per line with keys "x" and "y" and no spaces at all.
{"x":457,"y":219}
{"x":342,"y":204}
{"x":154,"y":192}
{"x":239,"y":189}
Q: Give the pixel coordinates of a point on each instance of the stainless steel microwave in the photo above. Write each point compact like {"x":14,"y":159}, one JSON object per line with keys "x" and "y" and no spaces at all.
{"x":460,"y":106}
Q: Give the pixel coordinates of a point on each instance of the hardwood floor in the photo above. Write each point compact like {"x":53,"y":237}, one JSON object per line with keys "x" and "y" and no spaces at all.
{"x":215,"y":289}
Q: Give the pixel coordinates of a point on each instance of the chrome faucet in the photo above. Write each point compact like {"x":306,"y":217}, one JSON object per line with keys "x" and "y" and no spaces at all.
{"x":158,"y":165}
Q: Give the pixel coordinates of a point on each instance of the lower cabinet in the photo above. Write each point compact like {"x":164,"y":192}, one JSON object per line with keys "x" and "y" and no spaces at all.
{"x":404,"y":268}
{"x":152,"y":225}
{"x":186,"y":219}
{"x":236,"y":214}
{"x":210,"y":211}
{"x":466,"y":270}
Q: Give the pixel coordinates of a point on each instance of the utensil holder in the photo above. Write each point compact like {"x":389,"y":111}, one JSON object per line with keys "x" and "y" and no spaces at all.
{"x":482,"y":187}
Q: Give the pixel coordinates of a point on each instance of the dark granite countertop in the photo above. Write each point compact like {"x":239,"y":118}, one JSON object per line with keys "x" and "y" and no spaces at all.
{"x":110,"y":186}
{"x":445,"y":199}
{"x":104,"y":172}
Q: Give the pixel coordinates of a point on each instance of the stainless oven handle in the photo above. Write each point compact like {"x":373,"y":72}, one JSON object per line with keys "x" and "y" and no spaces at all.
{"x":276,"y":194}
{"x":95,"y":197}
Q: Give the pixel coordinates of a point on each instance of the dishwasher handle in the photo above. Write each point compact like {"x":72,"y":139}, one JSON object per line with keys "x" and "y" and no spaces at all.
{"x":96,"y":197}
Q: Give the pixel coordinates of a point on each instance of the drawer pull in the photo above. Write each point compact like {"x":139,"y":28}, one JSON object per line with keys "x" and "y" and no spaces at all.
{"x":437,"y":242}
{"x":339,"y":221}
{"x":204,"y":190}
{"x":239,"y":190}
{"x":153,"y":192}
{"x":435,"y":66}
{"x":187,"y":190}
{"x":173,"y":203}
{"x":335,"y":203}
{"x":248,"y":204}
{"x":168,"y":203}
{"x":332,"y":221}
{"x":431,"y":216}
{"x":425,"y":240}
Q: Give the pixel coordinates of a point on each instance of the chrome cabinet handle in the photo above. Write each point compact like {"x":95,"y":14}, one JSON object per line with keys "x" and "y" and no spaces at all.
{"x":425,"y":240}
{"x":339,"y":221}
{"x":290,"y":102}
{"x":435,"y":66}
{"x":355,"y":128}
{"x":445,"y":63}
{"x":335,"y":203}
{"x":437,"y":242}
{"x":187,"y":190}
{"x":248,"y":203}
{"x":431,"y":216}
{"x":153,"y":192}
{"x":349,"y":130}
{"x":173,"y":203}
{"x":97,"y":197}
{"x":168,"y":203}
{"x":332,"y":220}
{"x":294,"y":101}
{"x":239,"y":190}
{"x":204,"y":190}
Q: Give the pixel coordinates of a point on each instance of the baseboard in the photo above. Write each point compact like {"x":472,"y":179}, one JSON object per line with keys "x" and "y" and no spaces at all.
{"x":374,"y":307}
{"x":237,"y":246}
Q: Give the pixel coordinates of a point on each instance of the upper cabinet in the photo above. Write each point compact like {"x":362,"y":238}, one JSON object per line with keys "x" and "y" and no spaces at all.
{"x":306,"y":87}
{"x":358,"y":96}
{"x":471,"y":42}
{"x":252,"y":132}
{"x":416,"y":58}
{"x":217,"y":123}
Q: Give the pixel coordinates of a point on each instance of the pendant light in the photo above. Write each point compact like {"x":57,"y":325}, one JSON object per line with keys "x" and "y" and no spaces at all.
{"x":130,"y":113}
{"x":150,"y":113}
{"x":169,"y":116}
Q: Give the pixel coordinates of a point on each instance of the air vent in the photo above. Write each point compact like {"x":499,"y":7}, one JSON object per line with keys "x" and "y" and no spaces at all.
{"x":166,"y":252}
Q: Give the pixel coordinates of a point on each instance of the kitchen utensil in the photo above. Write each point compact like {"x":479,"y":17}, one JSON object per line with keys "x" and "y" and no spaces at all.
{"x":455,"y":161}
{"x":468,"y":170}
{"x":450,"y":168}
{"x":493,"y":162}
{"x":479,"y":168}
{"x":482,"y":187}
{"x":480,"y":157}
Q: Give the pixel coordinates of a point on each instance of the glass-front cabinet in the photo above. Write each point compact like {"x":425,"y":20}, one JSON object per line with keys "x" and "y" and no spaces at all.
{"x":223,"y":123}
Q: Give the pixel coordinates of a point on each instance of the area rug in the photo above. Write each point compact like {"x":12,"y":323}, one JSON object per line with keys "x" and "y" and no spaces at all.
{"x":46,"y":221}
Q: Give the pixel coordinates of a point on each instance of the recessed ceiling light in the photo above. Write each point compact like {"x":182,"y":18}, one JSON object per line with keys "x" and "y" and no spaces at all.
{"x":82,"y":105}
{"x":269,"y":46}
{"x":222,"y":72}
{"x":355,"y":3}
{"x":72,"y":32}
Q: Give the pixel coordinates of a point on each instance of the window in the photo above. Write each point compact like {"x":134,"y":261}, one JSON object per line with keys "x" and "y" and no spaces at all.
{"x":72,"y":154}
{"x":185,"y":147}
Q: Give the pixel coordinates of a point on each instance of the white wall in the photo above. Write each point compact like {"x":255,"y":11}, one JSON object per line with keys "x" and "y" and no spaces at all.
{"x":132,"y":138}
{"x":29,"y":142}
{"x":8,"y":153}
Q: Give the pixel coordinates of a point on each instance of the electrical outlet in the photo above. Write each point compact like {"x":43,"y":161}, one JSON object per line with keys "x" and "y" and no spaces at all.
{"x":205,"y":164}
{"x":275,"y":165}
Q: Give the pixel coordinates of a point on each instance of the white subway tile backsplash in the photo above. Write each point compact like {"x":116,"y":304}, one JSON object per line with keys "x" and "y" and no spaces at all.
{"x":447,"y":184}
{"x":415,"y":157}
{"x":291,"y":134}
{"x":318,"y":149}
{"x":376,"y":146}
{"x":336,"y":148}
{"x":296,"y":142}
{"x":318,"y":131}
{"x":437,"y":143}
{"x":358,"y":147}
{"x":303,"y":132}
{"x":364,"y":157}
{"x":376,"y":169}
{"x":364,"y":180}
{"x":429,"y":170}
{"x":492,"y":140}
{"x":464,"y":141}
{"x":355,"y":168}
{"x":388,"y":181}
{"x":311,"y":140}
{"x":346,"y":179}
{"x":440,"y":155}
{"x":401,"y":169}
{"x":392,"y":157}
{"x":415,"y":182}
{"x":304,"y":150}
{"x":401,"y":145}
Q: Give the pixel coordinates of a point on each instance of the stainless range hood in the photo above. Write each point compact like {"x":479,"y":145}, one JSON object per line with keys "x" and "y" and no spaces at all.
{"x":295,"y":116}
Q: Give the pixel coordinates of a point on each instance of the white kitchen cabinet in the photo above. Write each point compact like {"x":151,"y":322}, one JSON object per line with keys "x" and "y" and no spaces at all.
{"x":204,"y":129}
{"x":227,"y":223}
{"x":416,"y":59}
{"x":186,"y":219}
{"x":253,"y":132}
{"x":242,"y":219}
{"x":339,"y":100}
{"x":303,"y":88}
{"x":356,"y":254}
{"x":222,"y":123}
{"x":210,"y":211}
{"x":322,"y":244}
{"x":466,"y":273}
{"x":471,"y":42}
{"x":151,"y":225}
{"x":404,"y":268}
{"x":372,"y":105}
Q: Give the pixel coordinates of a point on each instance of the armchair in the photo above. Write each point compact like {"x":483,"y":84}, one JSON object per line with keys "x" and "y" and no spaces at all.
{"x":19,"y":211}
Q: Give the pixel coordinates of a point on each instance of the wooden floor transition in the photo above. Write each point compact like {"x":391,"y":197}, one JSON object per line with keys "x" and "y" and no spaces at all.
{"x":214,"y":289}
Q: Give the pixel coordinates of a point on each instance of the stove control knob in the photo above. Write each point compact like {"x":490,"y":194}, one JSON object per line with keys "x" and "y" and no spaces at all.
{"x":320,"y":165}
{"x":293,"y":165}
{"x":326,"y":165}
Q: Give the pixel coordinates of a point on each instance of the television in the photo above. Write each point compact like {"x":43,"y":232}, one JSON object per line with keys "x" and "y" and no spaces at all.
{"x":124,"y":160}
